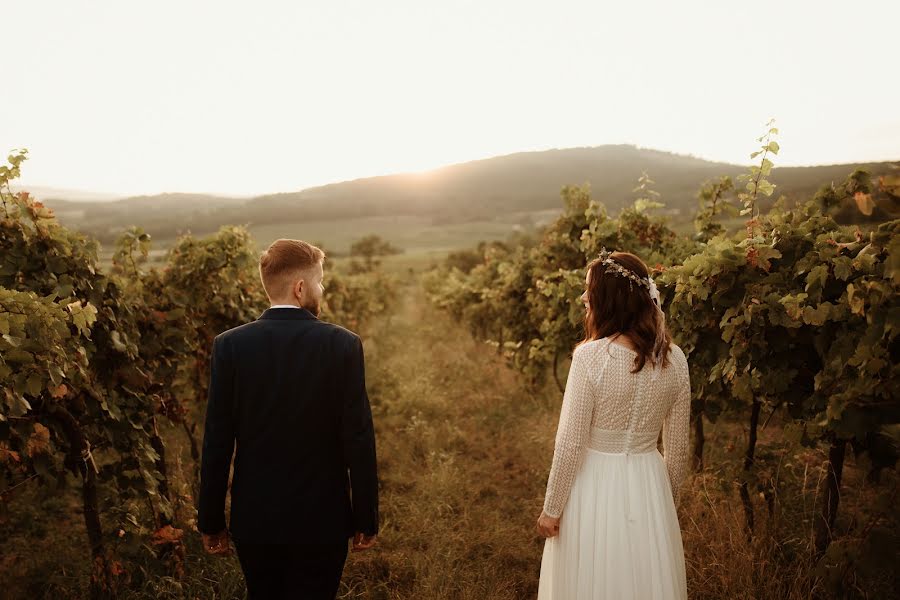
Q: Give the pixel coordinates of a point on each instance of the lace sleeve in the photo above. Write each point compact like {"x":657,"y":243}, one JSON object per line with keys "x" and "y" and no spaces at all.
{"x":571,"y":435}
{"x":676,"y":433}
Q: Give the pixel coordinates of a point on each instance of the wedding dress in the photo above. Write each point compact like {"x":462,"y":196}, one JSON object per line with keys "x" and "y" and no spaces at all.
{"x":619,"y":536}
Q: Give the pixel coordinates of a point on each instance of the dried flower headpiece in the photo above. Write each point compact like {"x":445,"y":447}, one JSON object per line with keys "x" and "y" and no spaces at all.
{"x":617,"y":269}
{"x":647,"y":283}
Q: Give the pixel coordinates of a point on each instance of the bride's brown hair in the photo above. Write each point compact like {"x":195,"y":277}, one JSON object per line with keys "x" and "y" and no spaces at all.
{"x":619,"y":306}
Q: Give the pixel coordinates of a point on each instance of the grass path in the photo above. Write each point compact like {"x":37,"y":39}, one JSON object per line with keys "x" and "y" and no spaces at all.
{"x":463,"y":454}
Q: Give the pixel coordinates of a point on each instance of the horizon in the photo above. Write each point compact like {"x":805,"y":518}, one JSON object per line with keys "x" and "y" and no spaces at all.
{"x":213,"y":98}
{"x":113,"y":196}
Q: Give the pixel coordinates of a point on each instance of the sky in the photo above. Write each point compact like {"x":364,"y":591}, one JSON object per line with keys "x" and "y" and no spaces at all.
{"x":241,"y":98}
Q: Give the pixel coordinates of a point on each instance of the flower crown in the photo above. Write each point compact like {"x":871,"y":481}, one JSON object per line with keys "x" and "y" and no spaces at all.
{"x":617,"y":269}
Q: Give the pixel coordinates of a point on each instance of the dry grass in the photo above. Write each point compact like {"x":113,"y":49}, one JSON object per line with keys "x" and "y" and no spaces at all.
{"x":460,"y":483}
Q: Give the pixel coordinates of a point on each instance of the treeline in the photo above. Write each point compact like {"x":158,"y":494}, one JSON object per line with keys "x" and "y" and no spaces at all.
{"x":95,"y":361}
{"x":796,"y":317}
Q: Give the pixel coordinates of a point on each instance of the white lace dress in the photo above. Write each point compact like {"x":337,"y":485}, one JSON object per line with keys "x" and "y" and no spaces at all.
{"x":619,"y":536}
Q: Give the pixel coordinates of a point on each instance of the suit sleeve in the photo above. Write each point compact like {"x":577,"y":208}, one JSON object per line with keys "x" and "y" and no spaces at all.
{"x":218,"y":441}
{"x":358,"y":442}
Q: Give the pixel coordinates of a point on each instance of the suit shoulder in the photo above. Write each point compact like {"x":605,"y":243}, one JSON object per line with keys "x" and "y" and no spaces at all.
{"x":236,"y":332}
{"x":339,"y":333}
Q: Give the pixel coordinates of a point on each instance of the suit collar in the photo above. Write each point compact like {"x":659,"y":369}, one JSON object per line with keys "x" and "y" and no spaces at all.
{"x":287,"y":314}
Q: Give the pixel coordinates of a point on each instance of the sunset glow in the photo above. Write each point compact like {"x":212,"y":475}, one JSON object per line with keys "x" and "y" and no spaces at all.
{"x":237,"y":98}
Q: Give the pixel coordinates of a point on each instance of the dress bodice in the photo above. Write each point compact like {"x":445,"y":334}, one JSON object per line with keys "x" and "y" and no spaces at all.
{"x":608,"y":408}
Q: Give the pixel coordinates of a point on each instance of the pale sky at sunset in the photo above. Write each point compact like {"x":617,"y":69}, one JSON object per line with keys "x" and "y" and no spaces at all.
{"x":261,"y":96}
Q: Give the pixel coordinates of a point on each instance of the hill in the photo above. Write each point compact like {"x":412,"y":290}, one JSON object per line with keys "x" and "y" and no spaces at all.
{"x":162,"y":215}
{"x":511,"y":189}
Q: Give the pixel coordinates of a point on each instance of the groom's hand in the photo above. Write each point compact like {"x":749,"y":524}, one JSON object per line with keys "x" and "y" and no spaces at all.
{"x":217,"y":543}
{"x":547,"y":526}
{"x":362,"y":542}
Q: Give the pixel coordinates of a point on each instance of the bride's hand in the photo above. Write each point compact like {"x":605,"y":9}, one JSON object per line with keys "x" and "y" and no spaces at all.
{"x":362,"y":542}
{"x":547,"y":526}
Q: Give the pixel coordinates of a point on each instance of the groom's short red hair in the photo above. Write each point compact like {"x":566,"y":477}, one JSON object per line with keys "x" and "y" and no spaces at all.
{"x":284,"y":261}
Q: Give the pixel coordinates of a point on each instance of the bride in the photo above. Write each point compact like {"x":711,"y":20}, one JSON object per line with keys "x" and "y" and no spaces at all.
{"x":609,"y":511}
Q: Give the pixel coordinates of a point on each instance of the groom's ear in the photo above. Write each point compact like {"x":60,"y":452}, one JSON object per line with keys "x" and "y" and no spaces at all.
{"x":297,"y":291}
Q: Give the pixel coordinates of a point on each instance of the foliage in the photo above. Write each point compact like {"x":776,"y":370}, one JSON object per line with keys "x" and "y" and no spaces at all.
{"x":523,"y":299}
{"x":798,"y":316}
{"x":42,"y":356}
{"x":91,"y":358}
{"x":371,"y":246}
{"x":354,"y":300}
{"x":714,"y":200}
{"x":42,"y":257}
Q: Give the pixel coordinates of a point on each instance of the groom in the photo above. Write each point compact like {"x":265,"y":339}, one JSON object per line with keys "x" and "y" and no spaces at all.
{"x":289,"y":391}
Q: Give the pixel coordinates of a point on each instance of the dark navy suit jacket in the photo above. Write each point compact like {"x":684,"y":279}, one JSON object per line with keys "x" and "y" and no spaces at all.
{"x":289,"y":391}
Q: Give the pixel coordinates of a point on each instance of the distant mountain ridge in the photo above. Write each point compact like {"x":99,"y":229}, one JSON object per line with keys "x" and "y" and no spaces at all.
{"x":480,"y":190}
{"x":52,"y":193}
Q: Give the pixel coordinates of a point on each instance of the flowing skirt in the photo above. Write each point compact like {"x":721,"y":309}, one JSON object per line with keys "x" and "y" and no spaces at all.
{"x":619,"y":537}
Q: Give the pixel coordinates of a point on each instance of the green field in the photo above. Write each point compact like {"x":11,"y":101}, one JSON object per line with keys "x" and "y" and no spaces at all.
{"x":416,"y":236}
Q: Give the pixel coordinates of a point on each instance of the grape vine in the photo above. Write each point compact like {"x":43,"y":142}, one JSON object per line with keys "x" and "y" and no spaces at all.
{"x":96,"y":362}
{"x":797,"y":315}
